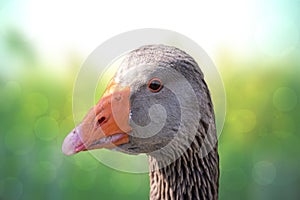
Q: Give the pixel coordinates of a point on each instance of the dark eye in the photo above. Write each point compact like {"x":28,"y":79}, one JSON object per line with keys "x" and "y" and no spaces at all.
{"x":155,"y":85}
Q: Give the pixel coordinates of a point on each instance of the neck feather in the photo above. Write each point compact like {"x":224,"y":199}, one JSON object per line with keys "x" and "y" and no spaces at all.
{"x":191,"y":176}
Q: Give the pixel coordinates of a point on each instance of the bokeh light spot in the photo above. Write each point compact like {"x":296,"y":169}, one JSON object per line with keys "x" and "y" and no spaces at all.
{"x":11,"y":188}
{"x":46,"y":128}
{"x":264,"y":172}
{"x":284,"y":99}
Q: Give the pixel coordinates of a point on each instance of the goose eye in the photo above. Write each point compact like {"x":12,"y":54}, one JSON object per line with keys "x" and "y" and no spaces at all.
{"x":155,"y":85}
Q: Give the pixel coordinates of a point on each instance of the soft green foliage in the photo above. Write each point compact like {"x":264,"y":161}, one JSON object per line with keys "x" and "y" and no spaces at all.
{"x":259,"y":145}
{"x":259,"y":148}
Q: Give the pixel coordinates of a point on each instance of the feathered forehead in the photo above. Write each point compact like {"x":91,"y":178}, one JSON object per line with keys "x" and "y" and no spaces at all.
{"x":160,"y":56}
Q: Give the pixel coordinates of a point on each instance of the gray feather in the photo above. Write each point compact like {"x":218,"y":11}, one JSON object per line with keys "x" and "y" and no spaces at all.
{"x":189,"y":168}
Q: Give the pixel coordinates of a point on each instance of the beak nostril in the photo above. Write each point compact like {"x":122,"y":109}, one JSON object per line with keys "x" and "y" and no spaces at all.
{"x":101,"y":120}
{"x":118,"y":98}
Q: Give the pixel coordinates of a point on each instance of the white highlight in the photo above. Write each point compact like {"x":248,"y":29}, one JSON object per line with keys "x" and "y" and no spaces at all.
{"x":61,"y":27}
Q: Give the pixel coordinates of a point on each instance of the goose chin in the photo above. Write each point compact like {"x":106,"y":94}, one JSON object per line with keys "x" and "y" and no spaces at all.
{"x":109,"y":142}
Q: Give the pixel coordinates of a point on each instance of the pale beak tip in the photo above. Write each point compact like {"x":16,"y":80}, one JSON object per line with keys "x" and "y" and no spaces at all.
{"x":67,"y":151}
{"x":67,"y":147}
{"x":70,"y":142}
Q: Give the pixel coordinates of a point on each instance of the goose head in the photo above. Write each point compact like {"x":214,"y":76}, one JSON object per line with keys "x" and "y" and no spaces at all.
{"x":154,"y":104}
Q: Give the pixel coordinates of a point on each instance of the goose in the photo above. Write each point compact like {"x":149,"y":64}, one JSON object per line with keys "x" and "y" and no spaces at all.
{"x":159,"y":104}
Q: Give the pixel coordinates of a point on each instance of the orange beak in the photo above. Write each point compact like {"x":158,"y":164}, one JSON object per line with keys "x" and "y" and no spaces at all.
{"x":105,"y":126}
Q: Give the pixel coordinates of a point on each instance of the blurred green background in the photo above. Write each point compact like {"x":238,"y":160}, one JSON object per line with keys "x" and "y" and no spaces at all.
{"x":259,"y":146}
